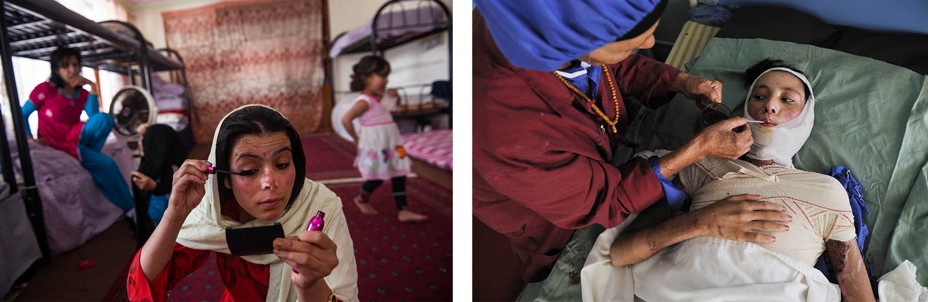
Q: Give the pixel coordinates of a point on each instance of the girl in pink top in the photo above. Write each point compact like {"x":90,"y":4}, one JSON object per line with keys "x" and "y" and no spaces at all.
{"x":59,"y":102}
{"x":380,"y":147}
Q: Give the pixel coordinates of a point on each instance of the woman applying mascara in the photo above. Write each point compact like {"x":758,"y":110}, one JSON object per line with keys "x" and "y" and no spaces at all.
{"x":259,"y":180}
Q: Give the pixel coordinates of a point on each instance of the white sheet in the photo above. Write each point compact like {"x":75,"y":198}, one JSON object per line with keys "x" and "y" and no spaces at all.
{"x":703,"y":269}
{"x":716,"y":269}
{"x":899,"y":285}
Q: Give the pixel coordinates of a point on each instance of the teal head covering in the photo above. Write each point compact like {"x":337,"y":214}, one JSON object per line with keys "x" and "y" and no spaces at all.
{"x":545,"y":34}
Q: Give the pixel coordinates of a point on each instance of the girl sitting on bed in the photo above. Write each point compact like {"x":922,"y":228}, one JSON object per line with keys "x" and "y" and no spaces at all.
{"x":814,"y":208}
{"x":380,"y":147}
{"x":59,"y":102}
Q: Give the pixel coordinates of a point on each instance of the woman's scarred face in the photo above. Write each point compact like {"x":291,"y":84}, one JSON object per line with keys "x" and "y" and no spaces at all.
{"x":264,"y":194}
{"x":778,"y":97}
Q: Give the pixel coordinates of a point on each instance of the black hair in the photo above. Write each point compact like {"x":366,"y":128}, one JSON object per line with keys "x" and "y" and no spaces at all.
{"x":162,"y":149}
{"x":256,"y":120}
{"x":59,"y":56}
{"x":753,"y":72}
{"x":368,"y":65}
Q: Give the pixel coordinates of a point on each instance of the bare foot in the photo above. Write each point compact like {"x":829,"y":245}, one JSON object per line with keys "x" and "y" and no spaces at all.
{"x":365,"y":208}
{"x":410,"y":216}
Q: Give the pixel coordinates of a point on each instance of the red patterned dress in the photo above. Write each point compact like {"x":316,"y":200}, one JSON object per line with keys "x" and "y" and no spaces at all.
{"x":244,"y":281}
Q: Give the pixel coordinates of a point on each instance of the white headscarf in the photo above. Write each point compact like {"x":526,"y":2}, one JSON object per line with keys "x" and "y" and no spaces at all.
{"x":781,"y":142}
{"x":204,"y":229}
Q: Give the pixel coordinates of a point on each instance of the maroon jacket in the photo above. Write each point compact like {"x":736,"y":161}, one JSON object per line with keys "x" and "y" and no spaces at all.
{"x":541,"y":161}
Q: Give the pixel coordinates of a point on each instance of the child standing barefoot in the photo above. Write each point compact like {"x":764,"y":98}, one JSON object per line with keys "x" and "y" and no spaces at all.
{"x":380,"y":147}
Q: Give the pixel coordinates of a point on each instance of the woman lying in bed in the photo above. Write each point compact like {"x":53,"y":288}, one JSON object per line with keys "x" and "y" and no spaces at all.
{"x":820,"y":219}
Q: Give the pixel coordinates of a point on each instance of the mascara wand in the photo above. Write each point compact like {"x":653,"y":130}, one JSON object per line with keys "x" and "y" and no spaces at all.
{"x":212,"y":170}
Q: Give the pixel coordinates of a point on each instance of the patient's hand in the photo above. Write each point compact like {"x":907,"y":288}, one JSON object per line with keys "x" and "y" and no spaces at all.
{"x":742,"y":217}
{"x":738,"y":217}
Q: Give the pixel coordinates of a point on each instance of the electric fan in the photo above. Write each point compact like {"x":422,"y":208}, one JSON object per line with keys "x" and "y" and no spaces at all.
{"x":131,"y":107}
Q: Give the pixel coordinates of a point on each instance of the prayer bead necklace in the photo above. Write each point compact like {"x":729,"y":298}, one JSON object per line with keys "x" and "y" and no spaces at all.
{"x":602,"y":115}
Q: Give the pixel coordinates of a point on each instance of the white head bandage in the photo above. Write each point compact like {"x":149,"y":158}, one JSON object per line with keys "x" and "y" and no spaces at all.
{"x":781,"y":142}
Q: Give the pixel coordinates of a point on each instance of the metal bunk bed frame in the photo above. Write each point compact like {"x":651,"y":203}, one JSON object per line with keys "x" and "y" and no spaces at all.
{"x":378,"y":48}
{"x":35,"y":28}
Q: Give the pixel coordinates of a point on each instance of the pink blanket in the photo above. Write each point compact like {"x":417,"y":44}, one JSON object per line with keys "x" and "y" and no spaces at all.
{"x":433,"y":147}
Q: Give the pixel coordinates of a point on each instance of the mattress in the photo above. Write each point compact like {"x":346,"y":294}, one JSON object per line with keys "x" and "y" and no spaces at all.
{"x":433,"y":147}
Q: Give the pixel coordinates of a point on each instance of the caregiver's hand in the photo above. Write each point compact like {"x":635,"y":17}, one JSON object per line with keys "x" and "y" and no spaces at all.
{"x":703,"y":91}
{"x":720,"y":140}
{"x":742,"y":217}
{"x":187,"y":189}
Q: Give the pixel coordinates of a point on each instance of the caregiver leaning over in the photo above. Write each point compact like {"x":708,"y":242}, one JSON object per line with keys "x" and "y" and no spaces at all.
{"x":549,"y":80}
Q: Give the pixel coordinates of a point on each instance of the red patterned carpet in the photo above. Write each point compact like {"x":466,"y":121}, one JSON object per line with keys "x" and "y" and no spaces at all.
{"x":329,"y":157}
{"x":399,"y":261}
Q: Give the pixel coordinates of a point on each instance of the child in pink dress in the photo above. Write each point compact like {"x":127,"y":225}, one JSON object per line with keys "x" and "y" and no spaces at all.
{"x":380,"y":147}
